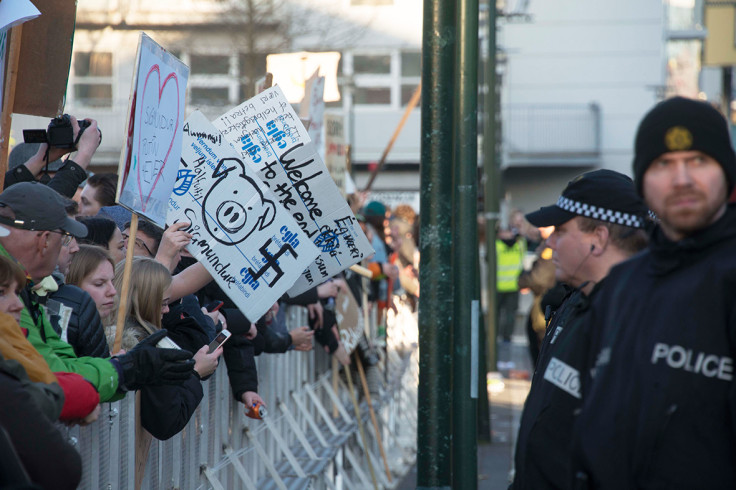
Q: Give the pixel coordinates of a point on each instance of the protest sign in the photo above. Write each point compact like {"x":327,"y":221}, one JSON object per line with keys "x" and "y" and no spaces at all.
{"x":349,"y":319}
{"x":312,"y":108}
{"x":150,"y":159}
{"x":336,"y":151}
{"x":46,"y":51}
{"x":249,"y":243}
{"x":290,"y":70}
{"x":272,"y":141}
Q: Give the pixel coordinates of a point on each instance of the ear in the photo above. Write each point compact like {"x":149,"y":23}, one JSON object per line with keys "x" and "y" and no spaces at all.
{"x":599,"y":240}
{"x":41,"y":242}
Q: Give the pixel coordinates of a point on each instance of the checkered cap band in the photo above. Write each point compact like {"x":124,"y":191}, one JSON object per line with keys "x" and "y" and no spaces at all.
{"x":600,"y":213}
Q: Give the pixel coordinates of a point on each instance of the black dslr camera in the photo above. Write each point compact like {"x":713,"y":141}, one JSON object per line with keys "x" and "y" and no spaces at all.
{"x":59,"y":134}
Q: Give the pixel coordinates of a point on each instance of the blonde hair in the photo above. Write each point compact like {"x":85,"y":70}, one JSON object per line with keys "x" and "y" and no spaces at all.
{"x":148,"y":282}
{"x":85,"y":262}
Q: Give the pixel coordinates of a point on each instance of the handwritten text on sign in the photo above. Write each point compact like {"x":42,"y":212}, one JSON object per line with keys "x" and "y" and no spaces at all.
{"x":150,"y":161}
{"x":270,"y":137}
{"x":249,"y":243}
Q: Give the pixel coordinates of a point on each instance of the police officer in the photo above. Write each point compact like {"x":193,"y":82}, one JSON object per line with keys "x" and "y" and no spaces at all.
{"x":661,"y":411}
{"x":599,"y":221}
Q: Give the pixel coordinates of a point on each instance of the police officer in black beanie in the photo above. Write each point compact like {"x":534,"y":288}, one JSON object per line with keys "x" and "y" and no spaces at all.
{"x":599,"y":221}
{"x":661,"y":408}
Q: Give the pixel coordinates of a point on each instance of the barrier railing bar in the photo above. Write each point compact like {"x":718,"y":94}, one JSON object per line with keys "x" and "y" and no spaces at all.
{"x":265,"y":459}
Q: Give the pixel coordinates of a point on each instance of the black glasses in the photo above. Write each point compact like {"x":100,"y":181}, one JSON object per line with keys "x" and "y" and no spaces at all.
{"x":141,"y":244}
{"x":66,"y":237}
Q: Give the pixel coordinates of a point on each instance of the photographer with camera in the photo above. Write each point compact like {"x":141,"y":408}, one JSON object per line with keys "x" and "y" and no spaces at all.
{"x":64,"y":135}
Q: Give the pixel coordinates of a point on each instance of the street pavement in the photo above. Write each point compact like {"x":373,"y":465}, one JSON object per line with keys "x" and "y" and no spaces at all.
{"x":507,"y":389}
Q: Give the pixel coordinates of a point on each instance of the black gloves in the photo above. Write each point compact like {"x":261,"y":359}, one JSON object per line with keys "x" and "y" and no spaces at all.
{"x":147,"y":365}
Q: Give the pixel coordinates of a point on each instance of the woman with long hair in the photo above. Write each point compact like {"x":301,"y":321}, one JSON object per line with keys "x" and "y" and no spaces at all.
{"x":165,"y":409}
{"x":91,"y":269}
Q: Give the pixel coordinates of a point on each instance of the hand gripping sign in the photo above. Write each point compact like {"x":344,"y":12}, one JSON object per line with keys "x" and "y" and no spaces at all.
{"x":274,"y":144}
{"x":253,"y":248}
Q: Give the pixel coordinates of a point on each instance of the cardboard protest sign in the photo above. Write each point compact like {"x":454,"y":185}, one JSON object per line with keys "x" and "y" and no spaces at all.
{"x":46,"y":51}
{"x":248,"y":242}
{"x":336,"y":151}
{"x":150,"y":159}
{"x":290,"y":70}
{"x":349,"y":319}
{"x":272,"y":141}
{"x":312,"y":108}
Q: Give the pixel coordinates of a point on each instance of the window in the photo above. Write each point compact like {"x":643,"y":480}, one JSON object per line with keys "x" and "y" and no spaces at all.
{"x":93,"y":79}
{"x":372,"y":95}
{"x":371,"y":65}
{"x":213,"y":80}
{"x":252,"y":68}
{"x":209,"y":65}
{"x":411,"y":64}
{"x":209,"y":96}
{"x":411,"y":73}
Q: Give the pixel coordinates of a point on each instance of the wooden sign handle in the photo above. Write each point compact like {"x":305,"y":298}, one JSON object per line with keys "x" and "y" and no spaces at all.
{"x":125,"y":293}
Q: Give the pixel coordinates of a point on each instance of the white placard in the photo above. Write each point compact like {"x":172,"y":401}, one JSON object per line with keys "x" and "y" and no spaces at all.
{"x":14,"y":12}
{"x":336,"y":151}
{"x":274,"y":143}
{"x":150,"y":160}
{"x":246,"y":240}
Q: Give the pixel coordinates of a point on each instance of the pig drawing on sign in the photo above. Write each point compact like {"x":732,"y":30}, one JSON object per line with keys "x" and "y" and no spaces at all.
{"x":226,"y":219}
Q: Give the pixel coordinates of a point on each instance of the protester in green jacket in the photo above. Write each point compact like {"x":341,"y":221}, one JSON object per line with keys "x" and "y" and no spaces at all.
{"x":39,"y":225}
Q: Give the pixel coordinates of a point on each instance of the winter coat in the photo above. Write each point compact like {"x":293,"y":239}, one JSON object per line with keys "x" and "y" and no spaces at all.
{"x":543,"y":445}
{"x":83,"y":330}
{"x":166,"y":409}
{"x":661,"y":408}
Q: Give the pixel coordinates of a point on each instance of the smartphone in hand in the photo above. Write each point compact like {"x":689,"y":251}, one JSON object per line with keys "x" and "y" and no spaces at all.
{"x":219,"y":340}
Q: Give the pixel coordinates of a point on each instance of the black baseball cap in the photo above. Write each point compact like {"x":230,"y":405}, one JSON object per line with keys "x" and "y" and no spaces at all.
{"x":38,"y":207}
{"x":601,"y":194}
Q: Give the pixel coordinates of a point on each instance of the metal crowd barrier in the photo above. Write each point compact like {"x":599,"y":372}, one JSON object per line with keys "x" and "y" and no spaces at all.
{"x":309,"y":438}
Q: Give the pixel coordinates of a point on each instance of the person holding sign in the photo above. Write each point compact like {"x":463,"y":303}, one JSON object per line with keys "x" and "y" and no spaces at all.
{"x":38,"y":225}
{"x":165,"y":409}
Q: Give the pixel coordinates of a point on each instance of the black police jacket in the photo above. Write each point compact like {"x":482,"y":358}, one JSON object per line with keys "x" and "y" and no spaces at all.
{"x":661,"y":411}
{"x":542,"y":457}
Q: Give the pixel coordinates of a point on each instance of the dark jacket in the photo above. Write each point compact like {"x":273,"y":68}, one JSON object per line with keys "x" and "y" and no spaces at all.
{"x":166,"y":409}
{"x":543,"y":445}
{"x":84,"y":330}
{"x":241,"y":365}
{"x":661,"y":409}
{"x":65,"y":182}
{"x":49,"y":460}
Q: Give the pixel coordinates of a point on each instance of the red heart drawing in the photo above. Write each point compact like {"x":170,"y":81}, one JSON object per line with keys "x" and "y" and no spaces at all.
{"x":170,"y":77}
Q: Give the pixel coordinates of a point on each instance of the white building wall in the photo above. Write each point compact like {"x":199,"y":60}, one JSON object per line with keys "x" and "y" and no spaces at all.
{"x":580,"y":52}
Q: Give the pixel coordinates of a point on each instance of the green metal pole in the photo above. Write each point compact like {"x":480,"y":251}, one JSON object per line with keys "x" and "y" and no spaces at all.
{"x":465,"y":244}
{"x":492,"y":184}
{"x":434,"y":431}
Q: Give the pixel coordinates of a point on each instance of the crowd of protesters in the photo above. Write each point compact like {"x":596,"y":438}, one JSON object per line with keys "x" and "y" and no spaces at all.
{"x":63,"y":243}
{"x":633,"y":386}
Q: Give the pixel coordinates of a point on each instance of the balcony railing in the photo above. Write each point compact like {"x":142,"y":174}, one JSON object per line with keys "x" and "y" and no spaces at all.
{"x":551,"y":135}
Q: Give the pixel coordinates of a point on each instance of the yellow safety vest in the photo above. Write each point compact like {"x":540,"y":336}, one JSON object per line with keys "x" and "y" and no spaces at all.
{"x":509,"y":264}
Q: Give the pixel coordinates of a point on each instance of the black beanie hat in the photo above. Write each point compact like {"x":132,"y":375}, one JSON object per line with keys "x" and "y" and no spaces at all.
{"x":680,"y":124}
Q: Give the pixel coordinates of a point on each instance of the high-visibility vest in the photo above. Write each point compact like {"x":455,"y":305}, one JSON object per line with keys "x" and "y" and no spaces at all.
{"x":509,"y":264}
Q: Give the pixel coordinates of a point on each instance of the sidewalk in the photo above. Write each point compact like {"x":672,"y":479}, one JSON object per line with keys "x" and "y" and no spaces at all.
{"x":507,"y":390}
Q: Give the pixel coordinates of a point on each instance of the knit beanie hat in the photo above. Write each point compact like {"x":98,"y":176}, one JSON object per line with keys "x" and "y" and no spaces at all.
{"x":680,"y":124}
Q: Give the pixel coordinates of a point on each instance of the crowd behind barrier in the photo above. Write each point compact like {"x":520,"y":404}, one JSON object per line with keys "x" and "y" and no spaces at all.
{"x":299,"y":444}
